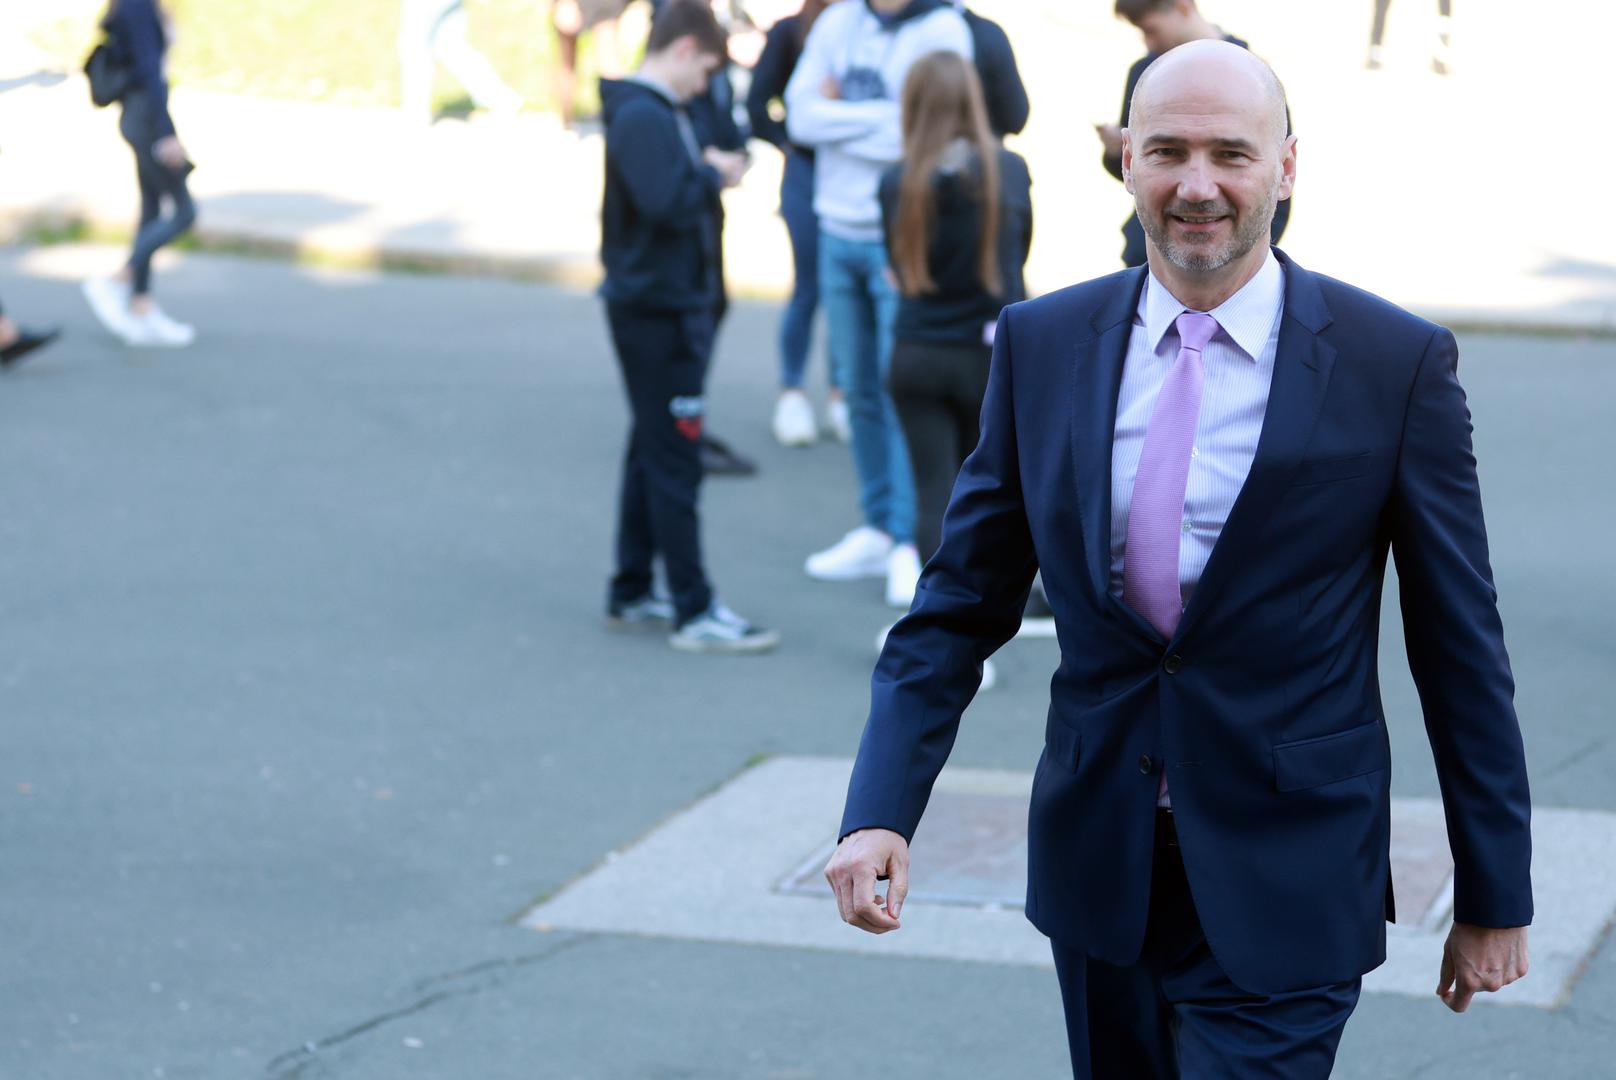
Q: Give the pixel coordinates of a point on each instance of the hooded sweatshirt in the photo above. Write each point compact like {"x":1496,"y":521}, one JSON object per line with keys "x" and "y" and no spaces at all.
{"x":659,"y":216}
{"x":855,"y":137}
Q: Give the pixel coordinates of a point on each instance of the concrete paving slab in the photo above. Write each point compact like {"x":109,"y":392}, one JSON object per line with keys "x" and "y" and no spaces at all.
{"x":733,"y":868}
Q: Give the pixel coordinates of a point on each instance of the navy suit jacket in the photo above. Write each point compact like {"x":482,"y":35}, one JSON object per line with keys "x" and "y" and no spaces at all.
{"x":1265,"y":705}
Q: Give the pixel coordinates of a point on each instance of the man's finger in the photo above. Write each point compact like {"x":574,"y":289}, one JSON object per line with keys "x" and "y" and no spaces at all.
{"x":872,"y":917}
{"x":1467,"y":982}
{"x":897,"y":887}
{"x":1444,"y":979}
{"x":837,"y":878}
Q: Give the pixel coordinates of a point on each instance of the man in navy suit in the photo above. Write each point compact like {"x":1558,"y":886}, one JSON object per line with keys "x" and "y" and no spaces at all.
{"x":1209,"y":458}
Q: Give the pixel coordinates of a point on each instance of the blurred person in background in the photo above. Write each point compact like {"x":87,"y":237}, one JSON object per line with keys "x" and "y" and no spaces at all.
{"x":570,"y":19}
{"x":140,"y":34}
{"x":1003,"y":92}
{"x":17,"y":342}
{"x":659,"y":245}
{"x":957,"y":215}
{"x":433,"y":32}
{"x":842,"y":101}
{"x":793,"y":415}
{"x":1440,"y":59}
{"x":1165,"y":25}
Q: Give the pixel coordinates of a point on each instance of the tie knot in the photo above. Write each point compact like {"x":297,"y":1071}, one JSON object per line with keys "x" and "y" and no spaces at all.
{"x":1195,"y":329}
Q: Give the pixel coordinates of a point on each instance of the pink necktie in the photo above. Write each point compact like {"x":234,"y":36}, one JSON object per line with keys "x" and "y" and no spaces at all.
{"x":1155,"y":516}
{"x":1150,"y":561}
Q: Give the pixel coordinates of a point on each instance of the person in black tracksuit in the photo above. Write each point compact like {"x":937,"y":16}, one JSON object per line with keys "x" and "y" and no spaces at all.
{"x":1003,"y":92}
{"x":659,"y":244}
{"x":1165,"y":24}
{"x":943,"y":332}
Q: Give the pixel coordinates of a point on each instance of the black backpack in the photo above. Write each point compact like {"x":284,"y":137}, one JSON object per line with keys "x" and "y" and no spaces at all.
{"x":107,"y":72}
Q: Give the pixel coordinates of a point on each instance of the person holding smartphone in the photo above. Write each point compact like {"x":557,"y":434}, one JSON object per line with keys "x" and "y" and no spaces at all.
{"x":141,"y":33}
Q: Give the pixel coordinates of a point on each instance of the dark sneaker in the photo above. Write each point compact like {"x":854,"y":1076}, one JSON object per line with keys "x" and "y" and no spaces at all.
{"x":720,"y":630}
{"x":27,"y":341}
{"x":649,"y":612}
{"x":719,"y":459}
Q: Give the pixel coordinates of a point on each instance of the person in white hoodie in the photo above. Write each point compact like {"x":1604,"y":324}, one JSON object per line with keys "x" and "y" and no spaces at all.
{"x":843,"y":102}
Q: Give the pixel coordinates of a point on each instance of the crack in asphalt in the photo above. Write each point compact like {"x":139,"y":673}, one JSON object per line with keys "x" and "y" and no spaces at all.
{"x":295,"y":1064}
{"x":1580,"y":755}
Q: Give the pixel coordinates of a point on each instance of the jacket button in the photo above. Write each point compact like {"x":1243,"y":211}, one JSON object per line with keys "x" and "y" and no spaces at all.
{"x":1146,"y":766}
{"x":1172,"y":664}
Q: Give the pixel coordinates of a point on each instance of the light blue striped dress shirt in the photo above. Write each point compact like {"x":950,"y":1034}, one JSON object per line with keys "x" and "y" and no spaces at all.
{"x":1239,"y":366}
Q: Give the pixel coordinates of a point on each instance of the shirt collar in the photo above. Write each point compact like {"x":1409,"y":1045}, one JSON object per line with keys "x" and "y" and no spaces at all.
{"x":661,"y":88}
{"x":1247,"y":317}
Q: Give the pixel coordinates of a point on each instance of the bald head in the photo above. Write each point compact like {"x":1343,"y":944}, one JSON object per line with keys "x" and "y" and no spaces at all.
{"x":1204,"y":74}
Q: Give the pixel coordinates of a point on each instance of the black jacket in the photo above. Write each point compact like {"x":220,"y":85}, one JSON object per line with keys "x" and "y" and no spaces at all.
{"x":781,"y":50}
{"x":139,"y":39}
{"x":659,"y":218}
{"x":1002,"y":89}
{"x":958,"y":310}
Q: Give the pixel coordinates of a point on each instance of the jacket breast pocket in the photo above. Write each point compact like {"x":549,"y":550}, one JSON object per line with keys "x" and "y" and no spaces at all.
{"x":1063,"y":745}
{"x":1309,"y":763}
{"x":1330,"y":470}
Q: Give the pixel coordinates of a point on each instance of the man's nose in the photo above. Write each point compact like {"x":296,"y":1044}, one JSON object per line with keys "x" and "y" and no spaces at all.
{"x":1196,"y":182}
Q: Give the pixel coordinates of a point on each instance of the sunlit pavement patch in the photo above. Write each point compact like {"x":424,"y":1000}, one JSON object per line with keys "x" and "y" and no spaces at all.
{"x":743,"y":866}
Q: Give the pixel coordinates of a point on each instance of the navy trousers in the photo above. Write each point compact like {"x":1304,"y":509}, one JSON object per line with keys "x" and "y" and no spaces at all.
{"x":663,"y":356}
{"x":1176,"y":1014}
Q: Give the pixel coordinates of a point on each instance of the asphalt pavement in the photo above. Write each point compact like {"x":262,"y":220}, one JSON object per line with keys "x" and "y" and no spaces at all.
{"x":305,"y":701}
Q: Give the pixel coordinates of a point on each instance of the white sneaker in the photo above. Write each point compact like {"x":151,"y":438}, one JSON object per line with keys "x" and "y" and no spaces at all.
{"x":794,"y":419}
{"x":171,"y":328}
{"x":862,"y":553}
{"x":838,"y":421}
{"x":154,"y":328}
{"x":109,"y":300}
{"x":903,"y":572}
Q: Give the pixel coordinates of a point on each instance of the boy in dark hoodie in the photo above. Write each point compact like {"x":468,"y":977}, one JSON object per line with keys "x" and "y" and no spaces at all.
{"x":659,"y":244}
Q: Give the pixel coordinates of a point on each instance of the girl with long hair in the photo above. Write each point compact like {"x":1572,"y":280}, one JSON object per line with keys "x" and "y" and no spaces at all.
{"x":957,"y":212}
{"x":141,"y":34}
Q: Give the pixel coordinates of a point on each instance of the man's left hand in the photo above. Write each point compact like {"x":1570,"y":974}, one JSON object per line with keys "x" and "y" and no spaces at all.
{"x":1477,"y":959}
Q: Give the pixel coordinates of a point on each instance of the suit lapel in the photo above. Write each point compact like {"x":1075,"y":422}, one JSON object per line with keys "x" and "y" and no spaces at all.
{"x":1302,"y":367}
{"x":1096,"y":379}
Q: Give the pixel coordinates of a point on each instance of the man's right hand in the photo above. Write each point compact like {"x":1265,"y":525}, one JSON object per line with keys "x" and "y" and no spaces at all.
{"x":860,"y":859}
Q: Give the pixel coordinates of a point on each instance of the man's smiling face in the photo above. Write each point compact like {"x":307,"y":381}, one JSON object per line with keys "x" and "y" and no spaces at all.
{"x":1207,"y":159}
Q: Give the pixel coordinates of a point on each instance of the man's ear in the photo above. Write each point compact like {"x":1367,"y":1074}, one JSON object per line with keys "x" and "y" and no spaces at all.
{"x":1127,"y":161}
{"x":1287,"y":167}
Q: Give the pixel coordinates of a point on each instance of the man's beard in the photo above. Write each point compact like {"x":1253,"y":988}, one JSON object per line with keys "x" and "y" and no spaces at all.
{"x":1249,"y":231}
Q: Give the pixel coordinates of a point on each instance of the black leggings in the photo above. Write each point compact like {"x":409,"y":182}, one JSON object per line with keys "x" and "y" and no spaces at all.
{"x":1378,"y":31}
{"x":140,"y":130}
{"x":937,"y":390}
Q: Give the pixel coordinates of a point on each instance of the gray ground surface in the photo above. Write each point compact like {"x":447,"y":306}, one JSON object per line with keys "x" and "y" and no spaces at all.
{"x":303,"y":701}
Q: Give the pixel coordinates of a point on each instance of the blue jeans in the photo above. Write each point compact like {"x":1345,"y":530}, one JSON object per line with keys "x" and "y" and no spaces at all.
{"x":802,"y":225}
{"x":860,"y":308}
